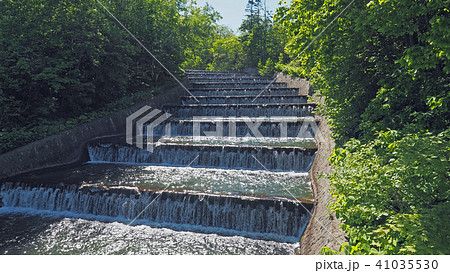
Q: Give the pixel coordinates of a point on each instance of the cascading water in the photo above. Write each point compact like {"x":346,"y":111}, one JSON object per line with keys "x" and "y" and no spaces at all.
{"x":236,"y":185}
{"x":243,"y":99}
{"x":281,"y":220}
{"x":236,"y":127}
{"x":248,"y":110}
{"x":261,"y":85}
{"x":244,"y":91}
{"x":236,"y":157}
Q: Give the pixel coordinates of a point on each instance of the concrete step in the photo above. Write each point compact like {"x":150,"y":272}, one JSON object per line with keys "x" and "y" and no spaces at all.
{"x":244,"y":99}
{"x":250,"y":110}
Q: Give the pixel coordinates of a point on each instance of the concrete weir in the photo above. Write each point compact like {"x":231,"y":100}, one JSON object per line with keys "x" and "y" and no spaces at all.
{"x":261,"y":136}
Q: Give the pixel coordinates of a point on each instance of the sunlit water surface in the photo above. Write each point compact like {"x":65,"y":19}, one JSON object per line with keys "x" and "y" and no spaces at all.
{"x":25,"y":231}
{"x":218,"y":181}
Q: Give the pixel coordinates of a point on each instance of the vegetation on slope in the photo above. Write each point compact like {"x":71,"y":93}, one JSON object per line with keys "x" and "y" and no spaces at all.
{"x":383,"y":68}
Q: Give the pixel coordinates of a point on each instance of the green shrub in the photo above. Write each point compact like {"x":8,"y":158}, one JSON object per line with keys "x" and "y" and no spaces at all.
{"x":392,"y":194}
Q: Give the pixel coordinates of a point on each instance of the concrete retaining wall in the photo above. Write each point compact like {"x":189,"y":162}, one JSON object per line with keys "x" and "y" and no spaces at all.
{"x":323,"y":227}
{"x":304,"y":87}
{"x":69,"y":147}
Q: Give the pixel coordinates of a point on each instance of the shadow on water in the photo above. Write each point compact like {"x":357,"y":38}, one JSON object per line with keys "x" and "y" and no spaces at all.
{"x":67,"y":175}
{"x":17,"y":231}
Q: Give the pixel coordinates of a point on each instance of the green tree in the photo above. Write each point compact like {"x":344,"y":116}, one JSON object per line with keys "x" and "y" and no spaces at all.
{"x":200,"y":32}
{"x":262,"y":38}
{"x":386,"y":54}
{"x":392,"y":194}
{"x":381,"y":65}
{"x":62,"y":59}
{"x":228,"y":54}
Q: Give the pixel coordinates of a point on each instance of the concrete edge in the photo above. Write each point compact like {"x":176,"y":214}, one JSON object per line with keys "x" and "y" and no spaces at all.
{"x":323,"y":229}
{"x":304,"y":87}
{"x":69,"y":147}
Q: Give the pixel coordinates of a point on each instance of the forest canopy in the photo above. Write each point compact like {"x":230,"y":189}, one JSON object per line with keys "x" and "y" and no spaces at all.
{"x":67,"y":62}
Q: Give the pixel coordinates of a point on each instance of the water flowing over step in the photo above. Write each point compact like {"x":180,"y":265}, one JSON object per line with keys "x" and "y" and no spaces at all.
{"x":235,"y":157}
{"x":217,"y":92}
{"x":212,"y":85}
{"x":239,"y":127}
{"x":234,"y":78}
{"x":263,"y":99}
{"x":224,"y":75}
{"x":272,"y":219}
{"x":248,"y":110}
{"x":210,"y":72}
{"x":215,"y":74}
{"x":241,"y":141}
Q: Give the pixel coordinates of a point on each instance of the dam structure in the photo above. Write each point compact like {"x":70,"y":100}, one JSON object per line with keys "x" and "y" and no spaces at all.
{"x":226,"y":172}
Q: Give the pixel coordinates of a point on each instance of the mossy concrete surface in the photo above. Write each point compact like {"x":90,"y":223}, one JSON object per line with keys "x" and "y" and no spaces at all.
{"x":69,"y":147}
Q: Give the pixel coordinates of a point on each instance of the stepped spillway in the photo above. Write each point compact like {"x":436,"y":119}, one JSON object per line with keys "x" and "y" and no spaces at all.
{"x":230,"y":160}
{"x":248,"y":91}
{"x":238,"y":127}
{"x":243,"y":84}
{"x":217,"y":156}
{"x":248,"y":110}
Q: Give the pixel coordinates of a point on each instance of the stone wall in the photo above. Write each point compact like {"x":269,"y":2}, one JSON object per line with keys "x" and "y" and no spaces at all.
{"x":69,"y":147}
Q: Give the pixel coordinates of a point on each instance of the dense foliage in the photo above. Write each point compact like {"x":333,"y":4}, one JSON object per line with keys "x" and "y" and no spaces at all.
{"x":389,"y":55}
{"x":259,"y":43}
{"x":262,"y":38}
{"x":201,"y":32}
{"x":62,"y":59}
{"x":392,"y":194}
{"x":383,"y":68}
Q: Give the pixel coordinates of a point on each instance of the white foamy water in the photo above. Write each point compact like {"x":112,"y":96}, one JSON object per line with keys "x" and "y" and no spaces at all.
{"x":40,"y":232}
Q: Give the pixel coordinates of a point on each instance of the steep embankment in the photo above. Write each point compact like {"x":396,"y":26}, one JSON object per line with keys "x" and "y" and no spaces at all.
{"x":69,"y":147}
